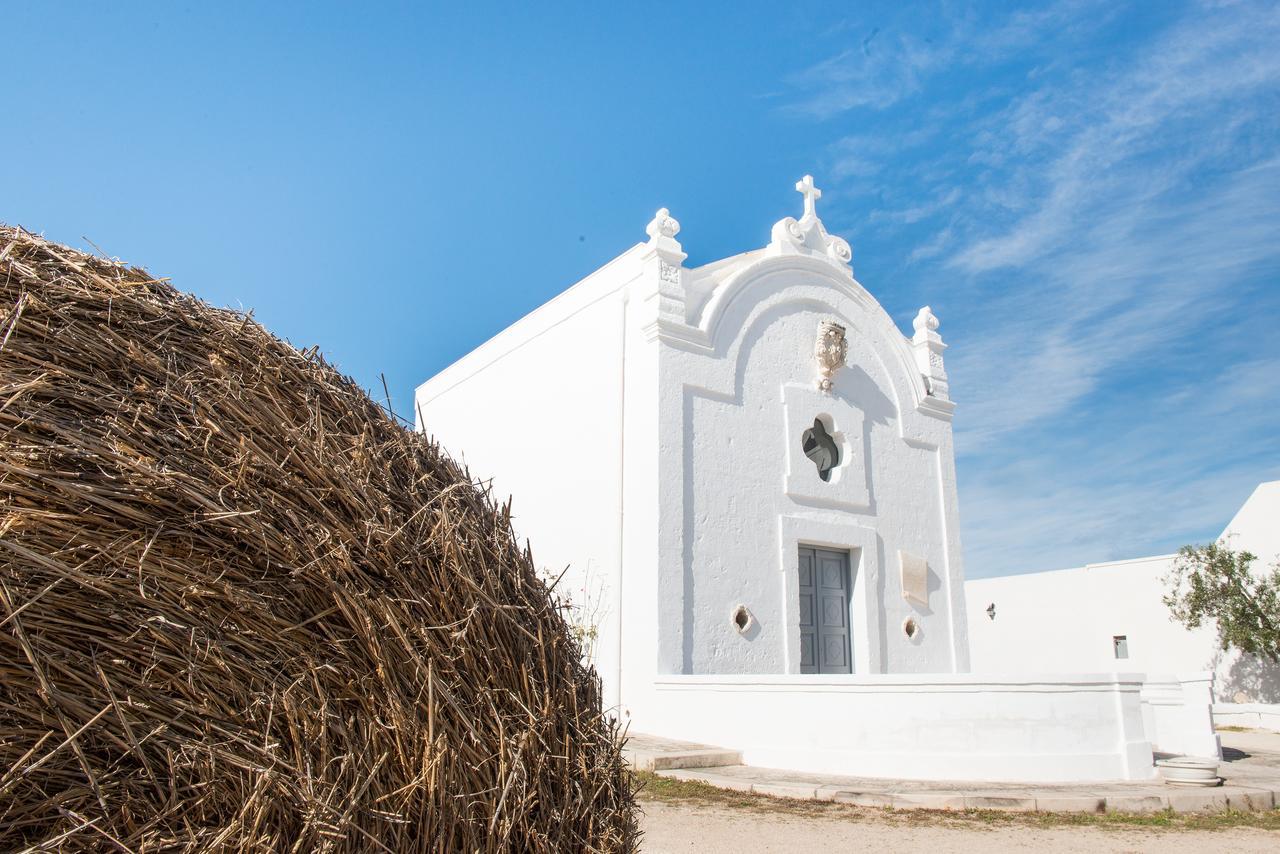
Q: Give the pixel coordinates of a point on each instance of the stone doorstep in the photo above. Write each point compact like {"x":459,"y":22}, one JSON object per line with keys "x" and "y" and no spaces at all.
{"x":697,"y":759}
{"x":1147,"y":799}
{"x":664,"y":760}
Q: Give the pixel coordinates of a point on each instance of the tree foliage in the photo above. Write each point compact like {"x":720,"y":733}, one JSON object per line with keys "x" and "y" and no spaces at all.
{"x":1215,"y":583}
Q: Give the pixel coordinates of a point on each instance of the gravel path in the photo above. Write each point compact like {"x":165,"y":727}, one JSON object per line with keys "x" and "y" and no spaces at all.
{"x":683,"y":827}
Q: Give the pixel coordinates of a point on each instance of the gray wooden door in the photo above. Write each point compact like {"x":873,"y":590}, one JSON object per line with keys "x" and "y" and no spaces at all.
{"x":824,"y":611}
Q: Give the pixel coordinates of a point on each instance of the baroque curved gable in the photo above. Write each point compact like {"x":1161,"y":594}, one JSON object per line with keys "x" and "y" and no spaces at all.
{"x":767,"y":285}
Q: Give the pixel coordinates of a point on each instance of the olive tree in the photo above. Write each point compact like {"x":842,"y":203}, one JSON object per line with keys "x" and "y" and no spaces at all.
{"x":1215,"y":583}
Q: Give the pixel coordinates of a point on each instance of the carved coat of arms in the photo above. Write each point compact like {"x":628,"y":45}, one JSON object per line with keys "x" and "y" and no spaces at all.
{"x":831,"y":350}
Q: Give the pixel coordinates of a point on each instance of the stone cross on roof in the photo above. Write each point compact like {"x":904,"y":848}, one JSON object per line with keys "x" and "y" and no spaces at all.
{"x":807,"y":235}
{"x":811,"y":195}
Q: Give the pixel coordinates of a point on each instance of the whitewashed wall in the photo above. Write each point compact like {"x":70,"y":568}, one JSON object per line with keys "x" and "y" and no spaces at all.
{"x":1178,"y":716}
{"x":751,"y":499}
{"x":945,"y":727}
{"x":1256,"y":525}
{"x":1064,"y":621}
{"x":1248,"y":715}
{"x":538,"y":411}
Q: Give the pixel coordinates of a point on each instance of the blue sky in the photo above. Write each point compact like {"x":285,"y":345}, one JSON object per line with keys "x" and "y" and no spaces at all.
{"x":1087,"y":193}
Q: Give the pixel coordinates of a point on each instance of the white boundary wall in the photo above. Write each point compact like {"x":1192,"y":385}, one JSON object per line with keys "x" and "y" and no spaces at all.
{"x":936,"y":727}
{"x":1177,"y":716}
{"x":1248,"y":715}
{"x":1065,"y":620}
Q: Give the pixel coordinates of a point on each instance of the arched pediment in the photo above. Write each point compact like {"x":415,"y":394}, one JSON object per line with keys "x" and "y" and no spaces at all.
{"x":766,"y":287}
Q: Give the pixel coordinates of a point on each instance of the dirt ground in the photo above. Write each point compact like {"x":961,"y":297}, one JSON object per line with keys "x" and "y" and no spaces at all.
{"x":706,"y":829}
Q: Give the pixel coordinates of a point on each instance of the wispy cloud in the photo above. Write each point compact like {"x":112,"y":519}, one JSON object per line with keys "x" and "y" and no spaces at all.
{"x":884,"y":65}
{"x":1101,"y":212}
{"x":942,"y":200}
{"x":1124,"y":289}
{"x":862,"y":77}
{"x":1168,"y":475}
{"x":1101,"y":134}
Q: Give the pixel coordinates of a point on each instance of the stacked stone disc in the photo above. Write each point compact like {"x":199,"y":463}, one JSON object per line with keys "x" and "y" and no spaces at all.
{"x":242,"y":608}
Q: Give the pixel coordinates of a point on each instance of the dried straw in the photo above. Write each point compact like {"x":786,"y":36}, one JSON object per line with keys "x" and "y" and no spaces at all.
{"x":242,"y":609}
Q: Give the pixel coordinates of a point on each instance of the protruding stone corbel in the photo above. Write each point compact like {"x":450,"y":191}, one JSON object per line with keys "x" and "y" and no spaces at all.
{"x":914,"y":578}
{"x":928,"y":347}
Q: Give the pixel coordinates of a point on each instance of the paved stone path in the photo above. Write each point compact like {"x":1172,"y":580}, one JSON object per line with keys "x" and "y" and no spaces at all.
{"x":1250,"y":767}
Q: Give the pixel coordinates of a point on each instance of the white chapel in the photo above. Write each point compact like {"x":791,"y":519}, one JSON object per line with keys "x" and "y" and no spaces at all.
{"x":747,"y":469}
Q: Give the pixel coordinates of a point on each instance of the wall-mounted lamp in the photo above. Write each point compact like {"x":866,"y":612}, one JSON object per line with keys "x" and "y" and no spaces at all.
{"x":991,"y":610}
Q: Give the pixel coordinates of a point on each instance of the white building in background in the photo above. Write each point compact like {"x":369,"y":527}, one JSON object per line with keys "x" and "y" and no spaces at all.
{"x":1111,"y":616}
{"x":748,"y":470}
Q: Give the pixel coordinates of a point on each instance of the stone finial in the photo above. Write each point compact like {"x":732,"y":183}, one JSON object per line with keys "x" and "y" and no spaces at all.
{"x":928,"y":347}
{"x":811,"y":195}
{"x":662,"y":225}
{"x":830,"y":351}
{"x":662,"y":231}
{"x":925,"y":324}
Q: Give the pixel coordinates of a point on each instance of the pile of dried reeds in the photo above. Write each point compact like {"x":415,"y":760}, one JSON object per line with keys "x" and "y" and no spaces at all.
{"x":242,"y":609}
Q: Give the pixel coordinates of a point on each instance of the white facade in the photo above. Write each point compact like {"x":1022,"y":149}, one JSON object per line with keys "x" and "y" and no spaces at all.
{"x":649,"y":422}
{"x":652,"y":423}
{"x":1069,"y":620}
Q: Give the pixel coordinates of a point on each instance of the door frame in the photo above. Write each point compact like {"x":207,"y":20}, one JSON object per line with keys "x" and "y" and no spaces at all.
{"x":866,"y":575}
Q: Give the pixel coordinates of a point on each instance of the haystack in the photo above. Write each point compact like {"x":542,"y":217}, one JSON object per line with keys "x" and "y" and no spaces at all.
{"x":243,"y":609}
